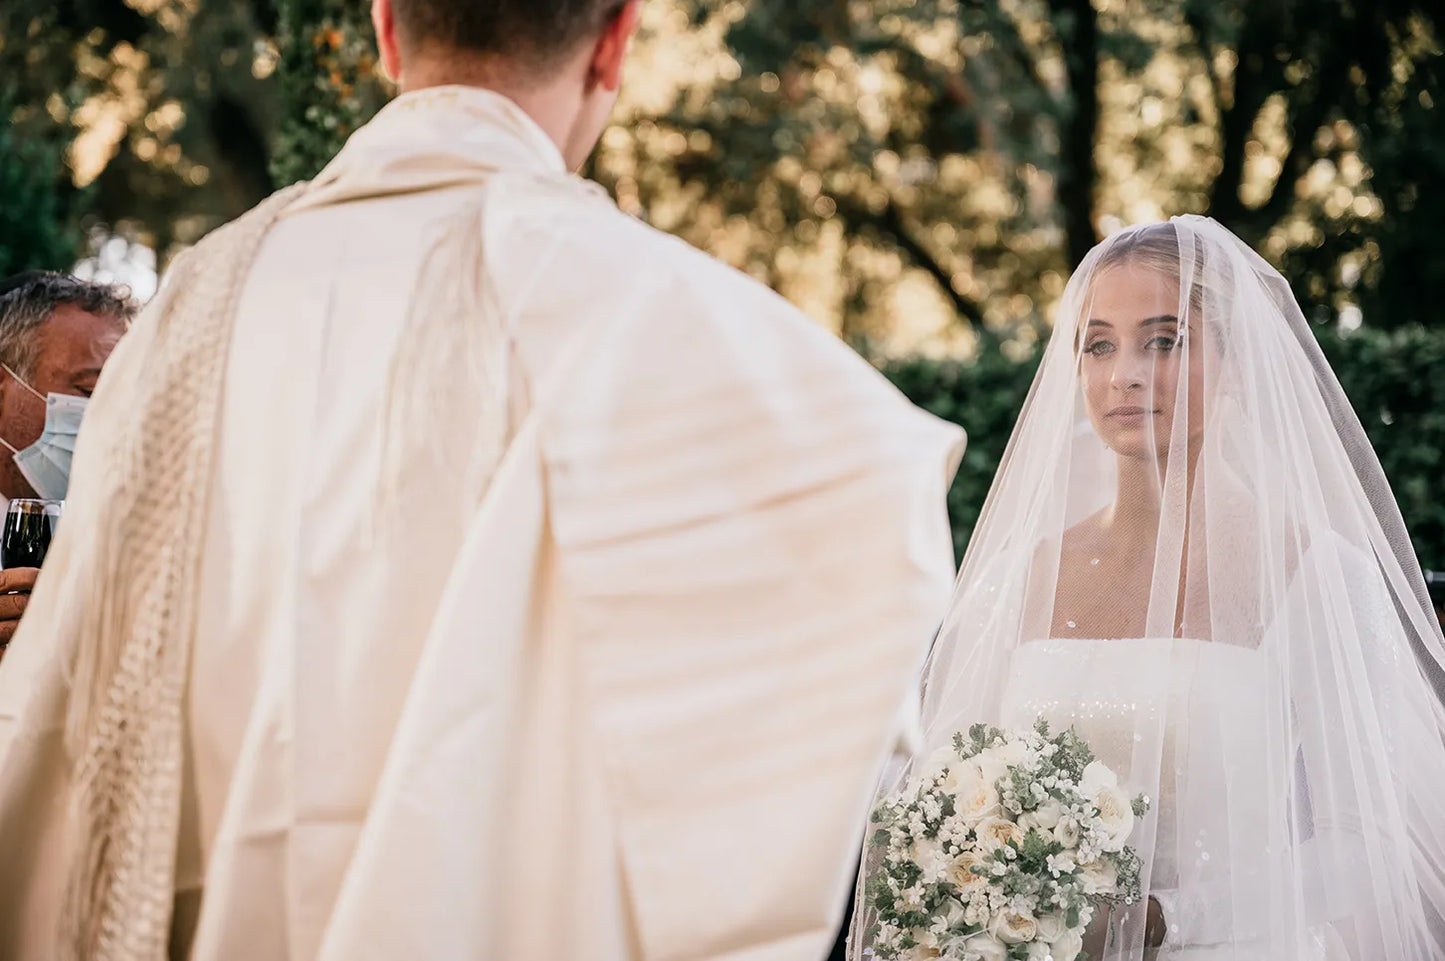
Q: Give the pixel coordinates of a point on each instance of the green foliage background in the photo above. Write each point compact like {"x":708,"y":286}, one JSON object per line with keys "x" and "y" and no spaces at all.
{"x":1395,"y":380}
{"x":916,"y":174}
{"x":39,"y":223}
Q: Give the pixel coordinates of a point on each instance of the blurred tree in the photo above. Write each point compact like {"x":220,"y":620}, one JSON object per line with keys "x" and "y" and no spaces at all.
{"x":163,"y":106}
{"x":892,"y":165}
{"x":328,"y":81}
{"x":1329,"y":138}
{"x":38,"y":223}
{"x":986,"y":144}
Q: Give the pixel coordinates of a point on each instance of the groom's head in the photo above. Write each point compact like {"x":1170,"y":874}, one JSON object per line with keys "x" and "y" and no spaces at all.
{"x":560,"y":59}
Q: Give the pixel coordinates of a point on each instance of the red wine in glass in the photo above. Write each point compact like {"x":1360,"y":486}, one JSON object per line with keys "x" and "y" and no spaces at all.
{"x":29,"y":527}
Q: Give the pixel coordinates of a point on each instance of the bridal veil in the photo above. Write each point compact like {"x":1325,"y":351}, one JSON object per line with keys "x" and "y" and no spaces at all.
{"x":1191,"y":556}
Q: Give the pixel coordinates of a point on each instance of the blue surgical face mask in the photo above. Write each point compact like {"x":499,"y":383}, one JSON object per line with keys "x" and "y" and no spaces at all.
{"x":46,"y":463}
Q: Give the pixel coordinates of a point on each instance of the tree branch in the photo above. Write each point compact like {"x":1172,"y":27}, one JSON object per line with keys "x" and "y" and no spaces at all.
{"x":1076,"y":169}
{"x":891,"y":224}
{"x":1310,"y":111}
{"x":1196,"y":23}
{"x":1255,"y":76}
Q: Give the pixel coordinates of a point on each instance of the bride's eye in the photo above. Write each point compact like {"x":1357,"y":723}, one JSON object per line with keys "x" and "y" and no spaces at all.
{"x":1164,"y":342}
{"x":1098,"y":347}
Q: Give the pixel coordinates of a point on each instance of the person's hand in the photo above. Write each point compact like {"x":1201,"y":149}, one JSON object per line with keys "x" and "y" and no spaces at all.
{"x":1155,"y":929}
{"x":15,"y":586}
{"x":1097,"y":935}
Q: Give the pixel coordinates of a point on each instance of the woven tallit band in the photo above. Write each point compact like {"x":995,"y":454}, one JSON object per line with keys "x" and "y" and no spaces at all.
{"x":125,"y":725}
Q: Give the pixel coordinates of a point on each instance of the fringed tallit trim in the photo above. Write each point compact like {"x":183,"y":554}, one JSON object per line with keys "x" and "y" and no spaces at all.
{"x":124,"y":729}
{"x":451,"y":366}
{"x":455,"y":365}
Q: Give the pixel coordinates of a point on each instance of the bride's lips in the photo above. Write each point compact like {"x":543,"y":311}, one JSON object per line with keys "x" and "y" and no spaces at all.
{"x":1128,"y":413}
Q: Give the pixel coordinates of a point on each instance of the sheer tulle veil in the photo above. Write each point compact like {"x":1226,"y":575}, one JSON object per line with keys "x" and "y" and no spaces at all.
{"x":1191,"y":555}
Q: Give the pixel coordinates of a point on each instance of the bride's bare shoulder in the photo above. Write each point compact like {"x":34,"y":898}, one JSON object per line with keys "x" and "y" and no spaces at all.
{"x":1074,"y":548}
{"x":1084,"y":539}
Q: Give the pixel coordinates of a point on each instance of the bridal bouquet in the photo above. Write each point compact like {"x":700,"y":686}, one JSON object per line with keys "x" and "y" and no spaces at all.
{"x":998,"y":849}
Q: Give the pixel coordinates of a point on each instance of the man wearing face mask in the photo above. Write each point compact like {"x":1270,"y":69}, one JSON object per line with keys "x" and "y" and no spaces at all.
{"x":56,"y":333}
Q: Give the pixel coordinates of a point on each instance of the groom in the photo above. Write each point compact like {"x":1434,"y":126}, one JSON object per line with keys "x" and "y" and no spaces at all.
{"x":456,"y":568}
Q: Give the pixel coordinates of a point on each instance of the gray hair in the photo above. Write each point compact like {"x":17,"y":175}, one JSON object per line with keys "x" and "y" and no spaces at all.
{"x":27,"y":300}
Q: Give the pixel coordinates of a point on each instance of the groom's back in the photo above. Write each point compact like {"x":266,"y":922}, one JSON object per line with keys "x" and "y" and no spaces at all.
{"x":622,"y":694}
{"x":315,"y":622}
{"x":314,"y":610}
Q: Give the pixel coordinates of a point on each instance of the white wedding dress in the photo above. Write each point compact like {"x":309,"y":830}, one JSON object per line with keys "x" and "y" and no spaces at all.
{"x":1266,"y":666}
{"x":1187,"y":716}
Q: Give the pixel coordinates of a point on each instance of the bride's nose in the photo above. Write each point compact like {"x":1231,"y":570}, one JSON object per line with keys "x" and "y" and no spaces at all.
{"x":1131,"y":370}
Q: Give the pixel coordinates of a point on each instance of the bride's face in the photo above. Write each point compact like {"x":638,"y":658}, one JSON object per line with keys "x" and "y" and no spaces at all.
{"x":1133,"y":357}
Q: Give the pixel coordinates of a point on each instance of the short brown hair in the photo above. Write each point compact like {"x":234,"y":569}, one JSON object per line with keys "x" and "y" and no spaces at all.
{"x":539,"y":32}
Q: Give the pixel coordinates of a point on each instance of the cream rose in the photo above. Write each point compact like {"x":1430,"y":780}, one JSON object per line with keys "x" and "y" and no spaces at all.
{"x":1066,"y":832}
{"x":1013,"y":927}
{"x":1116,"y":816}
{"x":994,"y":833}
{"x":1068,"y":947}
{"x":986,"y":948}
{"x":1052,"y":927}
{"x":1099,"y":876}
{"x":975,"y":797}
{"x":961,"y":874}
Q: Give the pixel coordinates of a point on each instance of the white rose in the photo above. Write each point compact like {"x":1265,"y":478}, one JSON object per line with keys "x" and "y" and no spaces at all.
{"x":961,"y":874}
{"x":1099,"y":876}
{"x":975,"y":797}
{"x":994,"y":833}
{"x":1013,"y":927}
{"x":1010,"y":752}
{"x":1046,"y":816}
{"x":1068,"y":947}
{"x":992,"y":770}
{"x":955,"y":916}
{"x":1052,"y":927}
{"x":1116,"y":816}
{"x":1039,"y":951}
{"x":986,"y":948}
{"x":940,"y":760}
{"x":1096,"y":776}
{"x":928,"y":854}
{"x":1066,"y":832}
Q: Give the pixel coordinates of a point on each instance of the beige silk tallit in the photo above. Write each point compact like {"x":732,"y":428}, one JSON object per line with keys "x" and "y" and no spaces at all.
{"x":558,"y":589}
{"x":124,"y":729}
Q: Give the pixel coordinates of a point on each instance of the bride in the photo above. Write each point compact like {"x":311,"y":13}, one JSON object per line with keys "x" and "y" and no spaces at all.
{"x":1191,"y":556}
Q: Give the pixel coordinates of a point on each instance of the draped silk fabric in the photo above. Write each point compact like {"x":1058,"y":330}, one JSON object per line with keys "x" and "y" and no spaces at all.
{"x":557,"y":592}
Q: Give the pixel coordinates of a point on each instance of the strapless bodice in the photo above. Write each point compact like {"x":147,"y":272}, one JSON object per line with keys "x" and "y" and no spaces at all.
{"x":1176,"y":719}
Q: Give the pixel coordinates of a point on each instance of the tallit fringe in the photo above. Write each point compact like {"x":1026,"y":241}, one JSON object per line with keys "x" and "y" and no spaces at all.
{"x":124,"y":723}
{"x":451,"y":365}
{"x":124,"y":729}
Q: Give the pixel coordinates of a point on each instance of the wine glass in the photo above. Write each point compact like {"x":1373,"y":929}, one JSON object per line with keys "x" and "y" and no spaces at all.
{"x":30,"y":523}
